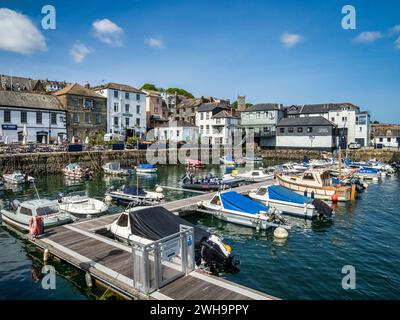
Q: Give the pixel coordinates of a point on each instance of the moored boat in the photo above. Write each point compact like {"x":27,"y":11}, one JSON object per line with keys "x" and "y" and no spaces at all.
{"x":146,"y":168}
{"x":194,"y":163}
{"x":80,"y":205}
{"x":257,"y":175}
{"x":135,"y":194}
{"x":227,"y":160}
{"x":114,"y":168}
{"x":210,"y":182}
{"x":74,"y":171}
{"x":17,"y":177}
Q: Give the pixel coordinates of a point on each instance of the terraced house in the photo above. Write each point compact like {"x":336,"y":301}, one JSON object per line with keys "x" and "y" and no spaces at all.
{"x":87,"y":111}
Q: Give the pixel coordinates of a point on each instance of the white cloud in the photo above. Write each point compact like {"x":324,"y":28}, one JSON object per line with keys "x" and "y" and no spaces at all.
{"x":154,"y":43}
{"x":291,"y":39}
{"x":79,"y":51}
{"x":397,"y":43}
{"x":395,"y":29}
{"x":18,"y":34}
{"x":368,"y":37}
{"x":108,"y":32}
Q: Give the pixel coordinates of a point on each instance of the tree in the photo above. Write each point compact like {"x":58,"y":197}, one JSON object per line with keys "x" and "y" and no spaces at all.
{"x":181,"y":92}
{"x":149,"y":86}
{"x":376,"y":122}
{"x":235,"y":105}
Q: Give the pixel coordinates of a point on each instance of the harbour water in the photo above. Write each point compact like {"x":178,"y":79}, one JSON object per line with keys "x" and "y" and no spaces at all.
{"x":308,"y":265}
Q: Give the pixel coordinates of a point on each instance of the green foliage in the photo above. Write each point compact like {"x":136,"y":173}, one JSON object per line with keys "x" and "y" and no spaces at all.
{"x":376,"y":122}
{"x":131,"y":140}
{"x":149,"y":86}
{"x":235,"y":105}
{"x":181,"y":92}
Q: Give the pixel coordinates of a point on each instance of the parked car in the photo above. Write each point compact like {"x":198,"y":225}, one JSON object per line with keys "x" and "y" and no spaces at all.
{"x":354,"y":145}
{"x":112,"y":136}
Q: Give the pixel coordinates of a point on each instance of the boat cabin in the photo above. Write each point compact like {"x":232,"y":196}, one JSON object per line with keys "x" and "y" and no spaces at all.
{"x":36,"y":207}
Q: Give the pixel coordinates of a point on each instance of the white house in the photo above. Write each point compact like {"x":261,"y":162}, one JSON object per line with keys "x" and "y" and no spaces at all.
{"x":356,"y":124}
{"x":306,"y":133}
{"x":177,"y":131}
{"x":216,"y":123}
{"x":386,"y":135}
{"x":126,"y":109}
{"x":43,"y":116}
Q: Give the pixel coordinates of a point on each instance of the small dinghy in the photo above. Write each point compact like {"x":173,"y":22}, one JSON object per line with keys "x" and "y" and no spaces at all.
{"x":194,"y":163}
{"x":114,"y":169}
{"x":21,"y":215}
{"x":74,"y":171}
{"x":146,"y":225}
{"x":17,"y":177}
{"x":80,"y":205}
{"x":233,"y":207}
{"x":289,"y":202}
{"x":210,"y":182}
{"x":135,"y":194}
{"x":146,"y":168}
{"x":256,"y":175}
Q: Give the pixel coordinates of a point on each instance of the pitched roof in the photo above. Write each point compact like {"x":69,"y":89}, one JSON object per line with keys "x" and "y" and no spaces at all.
{"x":118,"y":86}
{"x":319,"y":108}
{"x":305,"y":121}
{"x":19,"y":83}
{"x":224,"y":114}
{"x":30,"y":100}
{"x":263,"y":107}
{"x":386,"y":130}
{"x":77,"y":89}
{"x":210,"y":106}
{"x":151,"y":93}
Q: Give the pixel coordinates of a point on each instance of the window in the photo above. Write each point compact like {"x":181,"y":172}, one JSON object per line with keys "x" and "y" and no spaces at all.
{"x":258,"y":115}
{"x":75,"y":118}
{"x":207,"y":129}
{"x":282,"y":130}
{"x":24,"y":117}
{"x":309,"y":129}
{"x":7,"y":116}
{"x":333,"y":119}
{"x":116,"y":106}
{"x":290,"y":130}
{"x":127,"y":108}
{"x":116,"y":121}
{"x":38,"y":117}
{"x":158,"y":100}
{"x":266,"y":129}
{"x":389,"y":139}
{"x":25,"y":211}
{"x":218,"y":121}
{"x":201,"y":128}
{"x":192,"y":110}
{"x":88,"y":104}
{"x":98,"y":118}
{"x":207,"y":116}
{"x":261,"y":191}
{"x":76,"y":101}
{"x":127,"y":95}
{"x":138,"y":122}
{"x":88,"y":118}
{"x":344,"y":119}
{"x":138,"y":97}
{"x":54,"y":118}
{"x":115,"y":94}
{"x":138,"y":109}
{"x":380,"y":139}
{"x":177,"y":133}
{"x":299,"y":129}
{"x":360,"y":129}
{"x":127,"y":122}
{"x":123,"y":220}
{"x":155,"y":110}
{"x":308,"y":176}
{"x":201,"y":115}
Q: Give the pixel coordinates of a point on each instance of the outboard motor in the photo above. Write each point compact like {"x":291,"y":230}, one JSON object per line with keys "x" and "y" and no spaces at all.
{"x":322,"y":208}
{"x":216,"y":256}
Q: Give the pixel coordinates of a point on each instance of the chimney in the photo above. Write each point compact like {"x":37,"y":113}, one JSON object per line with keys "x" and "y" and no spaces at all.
{"x":87,"y":85}
{"x":241,"y":103}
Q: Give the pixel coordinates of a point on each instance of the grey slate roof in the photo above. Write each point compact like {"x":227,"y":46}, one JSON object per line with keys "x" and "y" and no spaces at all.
{"x":224,"y":114}
{"x":263,"y":107}
{"x":204,"y":107}
{"x":30,"y":100}
{"x":305,"y":121}
{"x":319,"y":108}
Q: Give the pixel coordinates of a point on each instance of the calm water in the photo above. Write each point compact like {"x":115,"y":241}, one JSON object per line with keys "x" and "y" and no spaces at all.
{"x":307,"y":265}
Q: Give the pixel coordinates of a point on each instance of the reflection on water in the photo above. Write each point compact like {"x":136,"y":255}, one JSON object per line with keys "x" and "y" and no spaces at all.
{"x":306,"y":265}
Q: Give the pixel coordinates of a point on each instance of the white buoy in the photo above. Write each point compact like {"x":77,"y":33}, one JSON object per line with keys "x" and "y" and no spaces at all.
{"x":108,"y":199}
{"x":159,"y":189}
{"x":88,"y":279}
{"x":281,"y":233}
{"x":45,"y":255}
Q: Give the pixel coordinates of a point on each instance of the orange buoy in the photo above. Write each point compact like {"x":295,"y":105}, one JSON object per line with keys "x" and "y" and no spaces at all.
{"x":334,"y":197}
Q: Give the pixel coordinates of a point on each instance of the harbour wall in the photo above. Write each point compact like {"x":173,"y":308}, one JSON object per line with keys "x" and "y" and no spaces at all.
{"x":54,"y":162}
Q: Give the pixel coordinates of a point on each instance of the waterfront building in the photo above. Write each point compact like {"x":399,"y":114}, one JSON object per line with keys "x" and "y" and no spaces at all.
{"x":87,"y":111}
{"x":43,"y":116}
{"x":356,"y":124}
{"x":12,"y":83}
{"x":176,"y":131}
{"x":315,"y":133}
{"x":53,"y":86}
{"x":386,"y":135}
{"x":216,"y":123}
{"x":155,"y":114}
{"x":263,"y":119}
{"x":126,"y":109}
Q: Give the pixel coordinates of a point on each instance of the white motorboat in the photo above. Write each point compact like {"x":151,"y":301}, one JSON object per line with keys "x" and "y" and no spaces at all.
{"x":146,"y":168}
{"x":257,"y":175}
{"x":227,"y":160}
{"x":114,"y":168}
{"x":74,"y":171}
{"x":79,"y":204}
{"x":20,"y":215}
{"x":146,"y":225}
{"x":135,"y":194}
{"x":288,"y":168}
{"x":289,"y":202}
{"x":317,"y":182}
{"x":17,"y":177}
{"x":233,"y":207}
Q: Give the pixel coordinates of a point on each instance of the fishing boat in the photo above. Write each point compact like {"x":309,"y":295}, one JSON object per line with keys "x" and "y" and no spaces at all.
{"x":20,"y":214}
{"x":289,"y":202}
{"x":135,"y":194}
{"x":146,"y":168}
{"x":146,"y":225}
{"x":210,"y":182}
{"x":318,"y":183}
{"x":114,"y":168}
{"x":257,"y":175}
{"x":368,"y":174}
{"x":227,"y":160}
{"x":17,"y":177}
{"x":194,"y":163}
{"x":74,"y":171}
{"x":79,"y":204}
{"x":233,"y":207}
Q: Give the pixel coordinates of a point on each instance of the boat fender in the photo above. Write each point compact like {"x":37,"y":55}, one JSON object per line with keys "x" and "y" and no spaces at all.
{"x":334,"y":198}
{"x":281,"y":233}
{"x":159,"y":189}
{"x":46,"y":255}
{"x":108,"y":199}
{"x":88,"y":279}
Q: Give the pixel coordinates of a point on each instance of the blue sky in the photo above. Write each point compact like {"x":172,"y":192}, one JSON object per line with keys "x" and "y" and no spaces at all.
{"x":217,"y":48}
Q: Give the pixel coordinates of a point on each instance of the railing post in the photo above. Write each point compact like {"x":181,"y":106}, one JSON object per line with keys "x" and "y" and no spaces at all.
{"x":157,"y":265}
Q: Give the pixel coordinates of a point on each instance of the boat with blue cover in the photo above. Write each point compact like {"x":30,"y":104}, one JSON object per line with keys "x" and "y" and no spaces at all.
{"x":289,"y":202}
{"x":368,"y":173}
{"x":233,"y":207}
{"x":146,"y":168}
